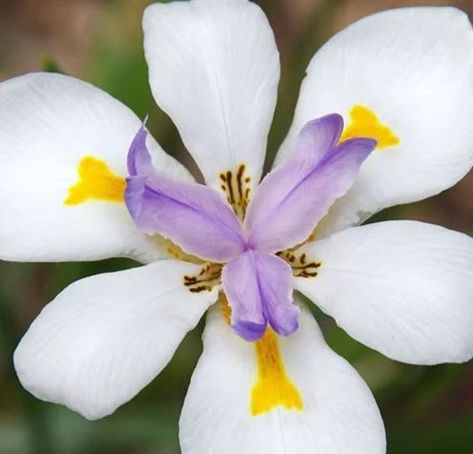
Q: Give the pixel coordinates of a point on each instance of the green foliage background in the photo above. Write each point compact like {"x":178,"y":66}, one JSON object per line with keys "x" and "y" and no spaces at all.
{"x":426,"y":409}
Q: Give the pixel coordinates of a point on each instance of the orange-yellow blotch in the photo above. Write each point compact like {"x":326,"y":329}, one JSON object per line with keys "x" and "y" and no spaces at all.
{"x":225,"y":308}
{"x":96,"y":182}
{"x":365,"y":123}
{"x":273,"y":387}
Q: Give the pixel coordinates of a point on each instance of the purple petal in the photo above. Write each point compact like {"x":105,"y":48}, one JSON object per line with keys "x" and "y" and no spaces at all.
{"x":259,"y":290}
{"x":191,"y":215}
{"x":240,"y":284}
{"x":318,"y":136}
{"x":294,"y":197}
{"x":139,"y":160}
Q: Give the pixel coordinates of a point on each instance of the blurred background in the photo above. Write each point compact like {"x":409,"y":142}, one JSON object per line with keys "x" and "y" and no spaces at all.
{"x":426,"y":410}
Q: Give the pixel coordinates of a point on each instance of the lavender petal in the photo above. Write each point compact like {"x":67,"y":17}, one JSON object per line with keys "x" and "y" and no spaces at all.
{"x":139,"y":159}
{"x":259,"y":290}
{"x":294,"y":197}
{"x":191,"y":215}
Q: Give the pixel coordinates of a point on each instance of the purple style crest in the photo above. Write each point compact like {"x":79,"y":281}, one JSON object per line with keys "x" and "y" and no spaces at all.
{"x":284,"y":211}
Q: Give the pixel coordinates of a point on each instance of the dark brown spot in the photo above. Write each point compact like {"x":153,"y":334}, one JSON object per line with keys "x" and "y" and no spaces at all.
{"x":230,"y":188}
{"x":236,"y":189}
{"x":208,"y":276}
{"x":199,"y":289}
{"x":301,"y":266}
{"x":241,"y":170}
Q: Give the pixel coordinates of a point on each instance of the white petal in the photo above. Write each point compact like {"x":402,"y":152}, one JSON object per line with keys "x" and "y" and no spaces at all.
{"x":214,"y":68}
{"x":105,"y":337}
{"x":49,"y":123}
{"x":412,"y":67}
{"x":339,"y":413}
{"x":403,"y":288}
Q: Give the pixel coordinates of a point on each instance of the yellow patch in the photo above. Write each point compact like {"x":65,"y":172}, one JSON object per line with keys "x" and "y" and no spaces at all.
{"x":225,"y":308}
{"x":175,"y":251}
{"x":365,"y":123}
{"x":273,"y":387}
{"x":96,"y":182}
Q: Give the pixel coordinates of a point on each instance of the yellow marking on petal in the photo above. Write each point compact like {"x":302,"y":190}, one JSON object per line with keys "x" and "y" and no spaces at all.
{"x":175,"y":251}
{"x":96,"y":182}
{"x":225,"y":308}
{"x":365,"y":123}
{"x":273,"y":387}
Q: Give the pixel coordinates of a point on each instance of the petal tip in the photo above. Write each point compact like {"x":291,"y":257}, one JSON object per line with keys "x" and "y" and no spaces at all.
{"x":138,"y":158}
{"x":290,"y":327}
{"x":332,"y":124}
{"x":249,"y":331}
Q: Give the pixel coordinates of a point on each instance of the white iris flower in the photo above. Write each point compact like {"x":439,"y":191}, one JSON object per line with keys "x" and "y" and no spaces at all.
{"x":80,"y":179}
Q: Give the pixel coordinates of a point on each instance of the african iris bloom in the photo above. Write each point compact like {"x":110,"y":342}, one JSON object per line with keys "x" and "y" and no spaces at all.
{"x":384,"y":118}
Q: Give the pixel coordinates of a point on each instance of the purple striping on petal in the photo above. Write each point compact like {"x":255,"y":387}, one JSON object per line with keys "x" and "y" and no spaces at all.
{"x":259,"y":290}
{"x":193,"y":216}
{"x":294,"y":197}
